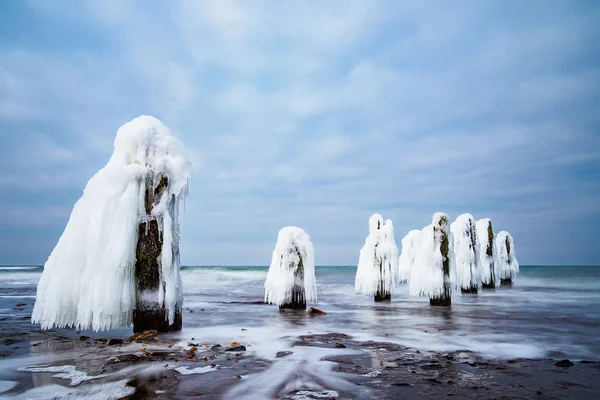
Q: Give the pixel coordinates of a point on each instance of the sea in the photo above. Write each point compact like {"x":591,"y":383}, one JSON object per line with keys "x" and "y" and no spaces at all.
{"x":549,"y":312}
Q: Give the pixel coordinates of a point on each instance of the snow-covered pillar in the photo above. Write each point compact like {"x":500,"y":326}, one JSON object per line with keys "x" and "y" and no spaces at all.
{"x":441,"y":232}
{"x":410,"y":245}
{"x":487,"y":253}
{"x":150,"y":312}
{"x":509,"y":266}
{"x":291,"y":278}
{"x":466,"y":249}
{"x":377,"y":270}
{"x":433,"y":272}
{"x":117,"y":261}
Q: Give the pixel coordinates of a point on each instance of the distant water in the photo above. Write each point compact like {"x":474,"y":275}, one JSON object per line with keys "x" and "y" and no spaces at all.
{"x":549,"y":312}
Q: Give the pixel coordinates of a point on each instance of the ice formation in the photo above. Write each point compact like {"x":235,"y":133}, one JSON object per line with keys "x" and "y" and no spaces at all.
{"x":433,"y":272}
{"x":88,"y":280}
{"x":507,"y":260}
{"x":410,"y":245}
{"x":466,"y":250}
{"x":292,"y":269}
{"x":377,"y":270}
{"x":487,"y":252}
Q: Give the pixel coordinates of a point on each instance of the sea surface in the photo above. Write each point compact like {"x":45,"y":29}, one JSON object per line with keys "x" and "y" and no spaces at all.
{"x":550,"y":311}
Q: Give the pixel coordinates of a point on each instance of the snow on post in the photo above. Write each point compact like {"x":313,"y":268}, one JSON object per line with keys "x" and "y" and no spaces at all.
{"x":377,"y":271}
{"x":507,"y":260}
{"x":466,"y":250}
{"x":433,"y":272}
{"x":291,"y":278}
{"x":117,"y":261}
{"x":487,"y":253}
{"x":410,"y":245}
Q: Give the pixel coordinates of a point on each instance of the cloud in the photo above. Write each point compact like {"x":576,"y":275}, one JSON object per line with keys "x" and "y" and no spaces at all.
{"x":314,"y":114}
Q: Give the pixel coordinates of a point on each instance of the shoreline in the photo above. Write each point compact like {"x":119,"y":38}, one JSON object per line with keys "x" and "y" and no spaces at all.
{"x":325,"y":366}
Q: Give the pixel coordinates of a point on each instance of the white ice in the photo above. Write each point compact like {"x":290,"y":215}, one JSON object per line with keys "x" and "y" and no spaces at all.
{"x":104,"y":391}
{"x":508,"y":264}
{"x":88,"y":280}
{"x":466,"y":250}
{"x":377,"y":269}
{"x":489,"y":264}
{"x":427,"y":274}
{"x":67,"y":372}
{"x":197,"y":370}
{"x":410,"y":245}
{"x":293,"y":246}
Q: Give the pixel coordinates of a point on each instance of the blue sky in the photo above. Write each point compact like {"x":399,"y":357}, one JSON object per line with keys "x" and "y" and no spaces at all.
{"x":314,"y":114}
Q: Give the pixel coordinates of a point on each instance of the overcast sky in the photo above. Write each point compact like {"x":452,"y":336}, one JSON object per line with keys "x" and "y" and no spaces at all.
{"x":315,"y":114}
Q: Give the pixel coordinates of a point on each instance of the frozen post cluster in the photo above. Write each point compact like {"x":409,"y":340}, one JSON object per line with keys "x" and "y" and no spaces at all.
{"x":291,"y":278}
{"x":487,"y":253}
{"x":377,"y":271}
{"x":410,"y":245}
{"x":117,"y":261}
{"x":466,"y":250}
{"x":432,"y":274}
{"x":508,"y":265}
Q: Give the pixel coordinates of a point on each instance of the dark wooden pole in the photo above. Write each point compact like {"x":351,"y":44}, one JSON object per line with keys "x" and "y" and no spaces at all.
{"x":298,"y":300}
{"x":489,"y":252}
{"x":149,"y":314}
{"x":507,"y":281}
{"x":445,"y":300}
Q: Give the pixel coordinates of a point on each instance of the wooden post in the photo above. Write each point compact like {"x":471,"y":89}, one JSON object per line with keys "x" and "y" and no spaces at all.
{"x":507,"y":281}
{"x":298,"y":300}
{"x":445,"y":300}
{"x":381,"y":296}
{"x":489,"y":252}
{"x":472,"y":289}
{"x":149,"y":314}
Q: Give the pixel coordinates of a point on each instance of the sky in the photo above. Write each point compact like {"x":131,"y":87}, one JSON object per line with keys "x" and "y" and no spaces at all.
{"x":315,"y":114}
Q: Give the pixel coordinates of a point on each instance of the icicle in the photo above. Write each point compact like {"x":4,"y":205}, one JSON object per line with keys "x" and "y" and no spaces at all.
{"x":89,"y":280}
{"x":488,"y":254}
{"x":466,"y":249}
{"x":291,"y":278}
{"x":508,"y":264}
{"x":377,"y":270}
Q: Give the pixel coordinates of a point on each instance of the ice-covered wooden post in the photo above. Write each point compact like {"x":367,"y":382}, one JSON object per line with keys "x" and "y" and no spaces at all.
{"x":466,"y":249}
{"x":509,"y":266}
{"x":291,"y":278}
{"x":488,"y":253}
{"x":410,"y":245}
{"x":433,"y":272}
{"x":150,"y":311}
{"x":377,"y":271}
{"x":117,"y":261}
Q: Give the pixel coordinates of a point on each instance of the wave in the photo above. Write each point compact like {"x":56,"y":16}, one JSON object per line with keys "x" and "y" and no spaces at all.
{"x":21,"y":268}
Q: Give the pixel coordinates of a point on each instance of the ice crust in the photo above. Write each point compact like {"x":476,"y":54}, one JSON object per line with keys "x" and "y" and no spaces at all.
{"x":293,"y":245}
{"x":410,"y":246}
{"x":508,"y":264}
{"x":466,"y":250}
{"x":427,"y":275}
{"x":377,"y":269}
{"x":88,"y":280}
{"x":488,"y":263}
